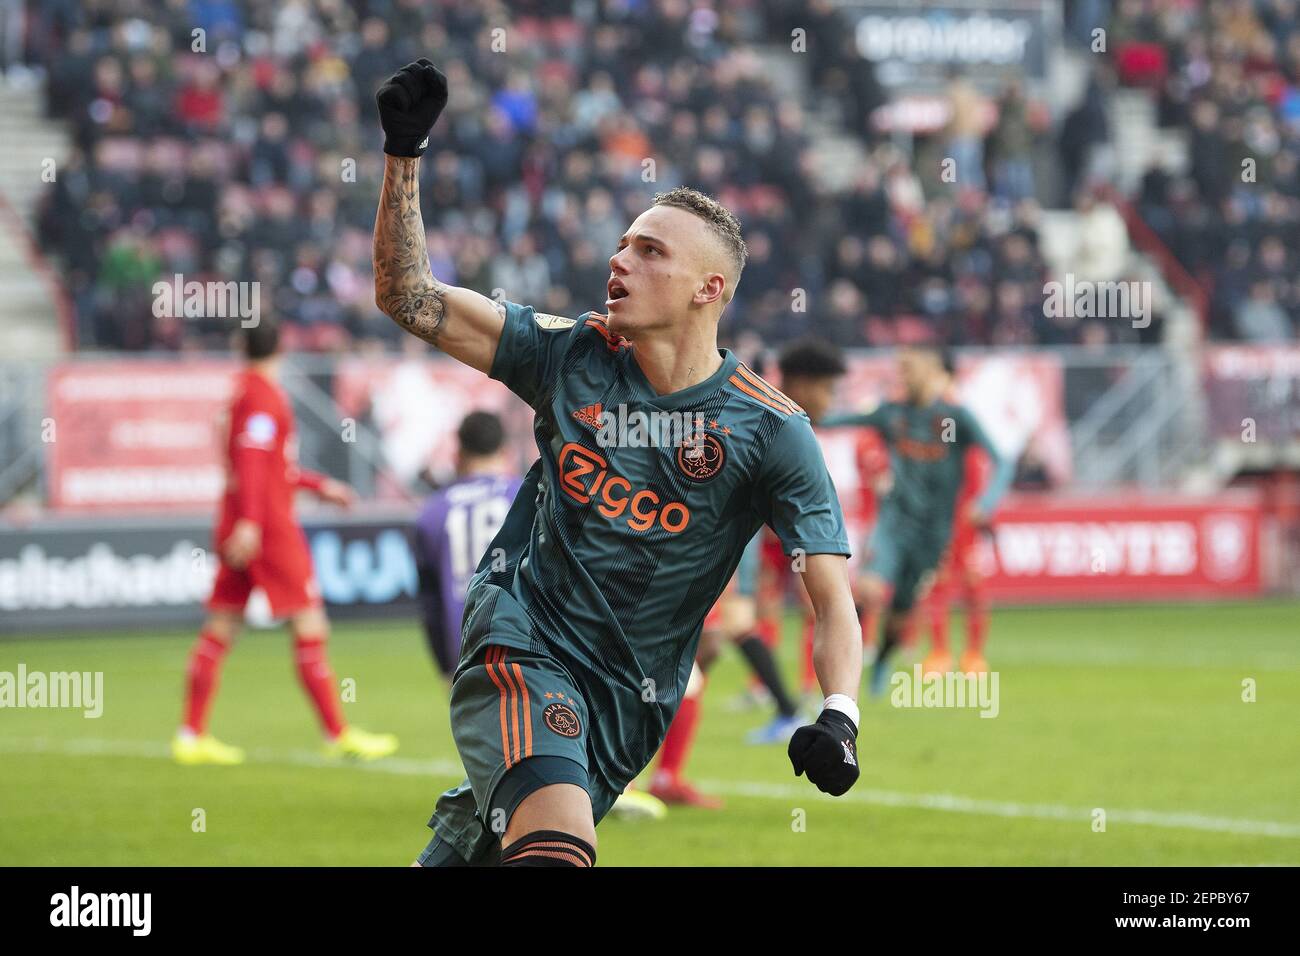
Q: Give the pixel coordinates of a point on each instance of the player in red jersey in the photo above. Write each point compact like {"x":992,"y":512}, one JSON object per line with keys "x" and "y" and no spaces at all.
{"x":960,"y":572}
{"x":260,"y":544}
{"x":873,"y":466}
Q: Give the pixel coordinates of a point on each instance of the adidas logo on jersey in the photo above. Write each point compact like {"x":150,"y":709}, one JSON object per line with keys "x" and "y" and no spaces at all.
{"x":589,"y":415}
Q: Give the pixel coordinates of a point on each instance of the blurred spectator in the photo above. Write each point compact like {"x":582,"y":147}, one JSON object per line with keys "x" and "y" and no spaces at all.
{"x":1085,"y":128}
{"x":1101,"y":247}
{"x":964,"y":134}
{"x":1010,"y":147}
{"x":1259,"y":319}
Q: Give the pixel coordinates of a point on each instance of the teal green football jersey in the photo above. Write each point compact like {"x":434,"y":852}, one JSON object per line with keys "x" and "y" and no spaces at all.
{"x":927,"y":444}
{"x":620,"y":541}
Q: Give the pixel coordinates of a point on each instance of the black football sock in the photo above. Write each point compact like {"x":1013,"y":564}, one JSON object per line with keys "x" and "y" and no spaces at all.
{"x":890,"y":635}
{"x":763,"y":664}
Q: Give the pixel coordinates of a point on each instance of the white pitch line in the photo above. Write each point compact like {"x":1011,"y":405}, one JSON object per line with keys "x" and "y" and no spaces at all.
{"x":1038,"y":811}
{"x":797,"y":793}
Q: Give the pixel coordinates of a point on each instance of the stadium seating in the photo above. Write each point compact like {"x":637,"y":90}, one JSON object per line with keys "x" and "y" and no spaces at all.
{"x":258,"y":158}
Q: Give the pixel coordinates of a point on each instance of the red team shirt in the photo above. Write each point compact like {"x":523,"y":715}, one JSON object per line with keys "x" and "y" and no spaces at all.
{"x":873,"y":465}
{"x":262,"y":475}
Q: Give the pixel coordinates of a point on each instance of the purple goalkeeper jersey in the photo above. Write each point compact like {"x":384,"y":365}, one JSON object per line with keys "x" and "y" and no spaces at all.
{"x":452,"y":535}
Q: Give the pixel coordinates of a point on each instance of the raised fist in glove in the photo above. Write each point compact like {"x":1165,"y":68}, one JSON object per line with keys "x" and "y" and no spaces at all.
{"x":410,"y":102}
{"x":827,"y":751}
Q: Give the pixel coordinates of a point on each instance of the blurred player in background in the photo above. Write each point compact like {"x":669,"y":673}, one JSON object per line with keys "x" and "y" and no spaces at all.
{"x":456,"y":527}
{"x":875,"y":481}
{"x":740,"y":622}
{"x":928,"y":437}
{"x":959,"y":573}
{"x":260,"y":544}
{"x":668,"y":783}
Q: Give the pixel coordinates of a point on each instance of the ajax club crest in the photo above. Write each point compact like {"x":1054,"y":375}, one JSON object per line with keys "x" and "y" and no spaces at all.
{"x":561,"y":719}
{"x":701,"y":458}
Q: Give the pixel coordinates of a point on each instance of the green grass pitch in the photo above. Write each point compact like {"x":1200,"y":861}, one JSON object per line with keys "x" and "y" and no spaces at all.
{"x":1136,"y":711}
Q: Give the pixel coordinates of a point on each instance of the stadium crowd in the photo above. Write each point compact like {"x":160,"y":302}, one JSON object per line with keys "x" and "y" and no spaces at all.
{"x":234,"y":140}
{"x":1229,"y":75}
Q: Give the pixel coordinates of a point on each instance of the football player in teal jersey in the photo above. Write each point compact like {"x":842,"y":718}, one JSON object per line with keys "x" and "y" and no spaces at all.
{"x":927,"y":437}
{"x":661,"y":455}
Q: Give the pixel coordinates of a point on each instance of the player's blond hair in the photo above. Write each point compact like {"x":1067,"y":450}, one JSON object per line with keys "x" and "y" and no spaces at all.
{"x":721,"y":222}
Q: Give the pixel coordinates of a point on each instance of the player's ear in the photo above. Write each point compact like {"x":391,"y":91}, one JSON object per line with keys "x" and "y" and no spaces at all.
{"x":711,"y":289}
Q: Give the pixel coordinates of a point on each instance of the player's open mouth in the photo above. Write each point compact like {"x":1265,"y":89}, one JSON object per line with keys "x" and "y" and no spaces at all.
{"x":616,"y":291}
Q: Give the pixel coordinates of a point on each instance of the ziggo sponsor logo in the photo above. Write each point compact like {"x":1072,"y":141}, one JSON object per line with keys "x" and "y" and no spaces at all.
{"x":585,"y":475}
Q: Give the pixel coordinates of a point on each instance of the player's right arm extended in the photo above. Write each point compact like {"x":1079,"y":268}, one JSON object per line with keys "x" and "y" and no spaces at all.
{"x":871,"y":419}
{"x":462,"y":323}
{"x":1004,"y":466}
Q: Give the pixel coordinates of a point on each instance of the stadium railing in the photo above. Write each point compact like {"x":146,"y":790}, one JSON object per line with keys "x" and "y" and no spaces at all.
{"x":1134,"y":415}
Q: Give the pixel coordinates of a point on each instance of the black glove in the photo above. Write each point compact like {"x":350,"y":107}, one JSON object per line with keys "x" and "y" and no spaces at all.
{"x":410,"y":102}
{"x":828,"y":751}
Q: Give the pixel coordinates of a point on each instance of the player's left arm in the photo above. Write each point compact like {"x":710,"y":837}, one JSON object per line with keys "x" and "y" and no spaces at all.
{"x":797,"y":499}
{"x":1003,"y":467}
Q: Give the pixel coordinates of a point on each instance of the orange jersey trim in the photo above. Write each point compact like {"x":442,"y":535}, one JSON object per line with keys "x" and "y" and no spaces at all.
{"x":488,"y":662}
{"x":527,"y":710}
{"x":514,"y":706}
{"x":759,"y":382}
{"x":615,"y":342}
{"x":737,"y":381}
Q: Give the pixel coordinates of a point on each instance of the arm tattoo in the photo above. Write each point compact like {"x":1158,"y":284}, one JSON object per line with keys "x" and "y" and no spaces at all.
{"x":405,"y":288}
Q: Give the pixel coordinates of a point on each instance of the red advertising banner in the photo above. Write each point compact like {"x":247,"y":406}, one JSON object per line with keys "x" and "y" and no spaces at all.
{"x":136,"y":435}
{"x":1059,"y":548}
